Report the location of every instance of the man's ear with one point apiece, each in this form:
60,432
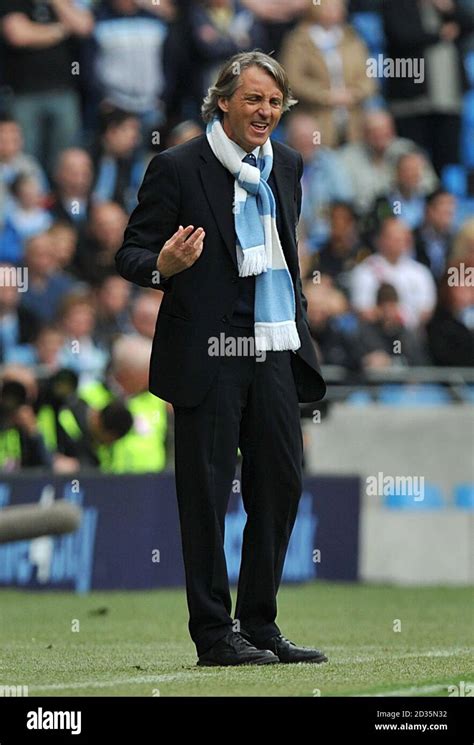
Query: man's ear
223,103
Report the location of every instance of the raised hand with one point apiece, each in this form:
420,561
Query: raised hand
180,251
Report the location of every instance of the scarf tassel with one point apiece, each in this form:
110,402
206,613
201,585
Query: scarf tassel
252,261
276,337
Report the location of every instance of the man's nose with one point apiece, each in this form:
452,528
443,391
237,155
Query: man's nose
265,110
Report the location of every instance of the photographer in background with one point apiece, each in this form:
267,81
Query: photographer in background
21,442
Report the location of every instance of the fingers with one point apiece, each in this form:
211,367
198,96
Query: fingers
196,238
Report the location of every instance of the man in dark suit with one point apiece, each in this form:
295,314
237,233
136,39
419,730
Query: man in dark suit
223,402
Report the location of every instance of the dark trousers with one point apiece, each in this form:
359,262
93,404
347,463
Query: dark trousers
253,405
439,134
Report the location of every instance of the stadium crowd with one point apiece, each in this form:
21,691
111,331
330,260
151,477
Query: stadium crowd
91,90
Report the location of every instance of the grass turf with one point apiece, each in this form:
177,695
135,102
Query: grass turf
137,644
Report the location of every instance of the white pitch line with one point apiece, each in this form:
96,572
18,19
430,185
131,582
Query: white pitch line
168,677
408,655
413,690
118,681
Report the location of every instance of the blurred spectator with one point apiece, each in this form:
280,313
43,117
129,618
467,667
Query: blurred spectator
277,18
326,65
427,110
105,236
463,245
113,316
47,347
38,68
434,238
85,434
332,325
324,179
76,319
145,312
406,199
393,265
18,326
344,249
13,161
386,342
63,237
73,177
21,442
143,449
372,163
25,214
119,168
220,29
183,132
47,284
451,330
124,58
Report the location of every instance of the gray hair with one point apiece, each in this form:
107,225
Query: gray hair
229,77
130,352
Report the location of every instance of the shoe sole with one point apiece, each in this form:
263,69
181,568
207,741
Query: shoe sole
236,664
313,661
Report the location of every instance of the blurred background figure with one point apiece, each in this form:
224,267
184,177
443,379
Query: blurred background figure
124,58
343,250
393,264
18,325
47,284
221,28
144,313
21,442
73,178
429,111
451,330
96,258
38,68
113,310
76,319
434,237
118,164
326,64
386,341
324,179
144,448
372,162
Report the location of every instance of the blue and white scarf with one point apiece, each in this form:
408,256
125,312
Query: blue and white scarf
259,250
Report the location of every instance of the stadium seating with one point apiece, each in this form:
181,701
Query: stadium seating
464,496
432,499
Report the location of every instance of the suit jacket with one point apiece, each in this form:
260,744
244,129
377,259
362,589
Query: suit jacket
187,185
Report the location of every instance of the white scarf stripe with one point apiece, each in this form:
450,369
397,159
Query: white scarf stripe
259,251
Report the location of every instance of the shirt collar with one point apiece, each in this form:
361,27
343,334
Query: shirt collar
241,152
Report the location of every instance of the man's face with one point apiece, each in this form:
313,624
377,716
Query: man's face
257,101
394,240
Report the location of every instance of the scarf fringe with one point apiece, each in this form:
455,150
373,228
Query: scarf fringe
276,337
252,261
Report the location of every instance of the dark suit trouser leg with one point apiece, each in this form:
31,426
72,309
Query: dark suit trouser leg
272,448
206,442
254,405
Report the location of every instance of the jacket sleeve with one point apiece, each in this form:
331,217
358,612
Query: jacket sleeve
151,224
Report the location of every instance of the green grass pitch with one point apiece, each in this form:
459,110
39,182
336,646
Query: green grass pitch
137,644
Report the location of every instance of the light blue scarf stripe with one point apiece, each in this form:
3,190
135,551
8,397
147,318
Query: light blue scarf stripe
259,251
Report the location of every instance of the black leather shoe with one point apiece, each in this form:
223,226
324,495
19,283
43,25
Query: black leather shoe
233,649
288,652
